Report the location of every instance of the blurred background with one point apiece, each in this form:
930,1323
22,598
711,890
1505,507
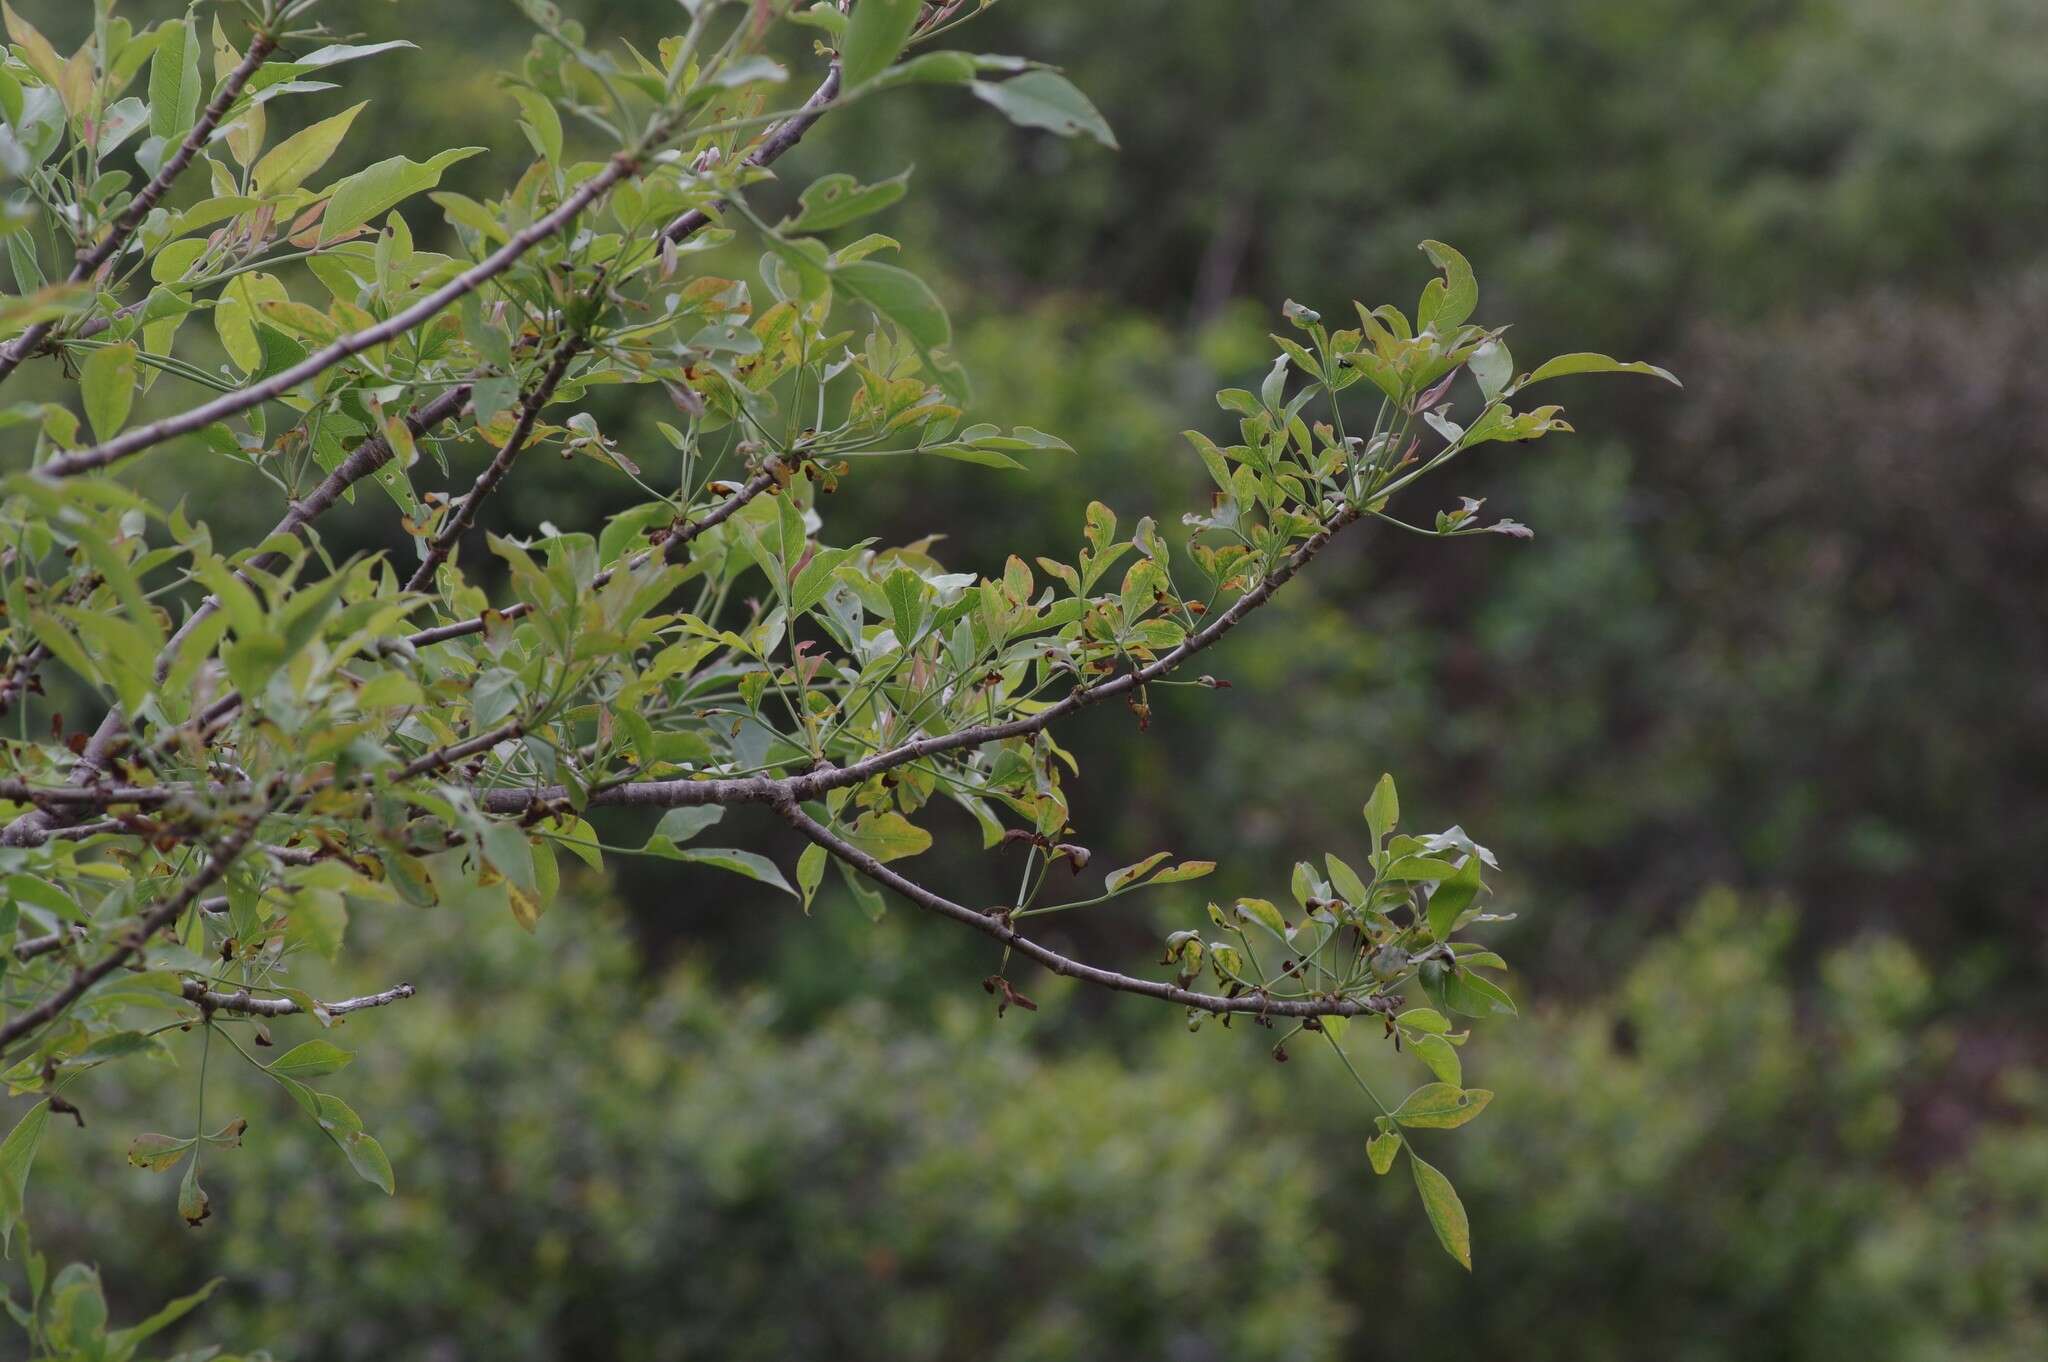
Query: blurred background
1757,724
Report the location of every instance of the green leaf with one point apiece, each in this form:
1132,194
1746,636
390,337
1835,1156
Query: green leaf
276,352
1046,99
1448,301
740,863
544,121
889,837
17,1153
975,454
678,826
121,1342
1452,897
285,166
1473,995
1585,362
1423,1019
1446,1212
865,896
835,200
1493,366
372,191
1421,869
905,300
878,30
107,382
335,1116
174,83
1345,880
1265,914
1382,1148
1441,1106
1383,810
282,72
810,872
905,591
1441,1056
367,1157
930,68
313,1059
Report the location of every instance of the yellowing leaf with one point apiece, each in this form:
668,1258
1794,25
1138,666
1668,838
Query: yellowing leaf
526,908
1439,1106
286,165
157,1152
1446,1213
1119,879
42,58
890,837
1264,913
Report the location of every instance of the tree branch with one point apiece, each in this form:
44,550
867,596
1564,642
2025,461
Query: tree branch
785,135
992,925
260,46
242,1003
464,514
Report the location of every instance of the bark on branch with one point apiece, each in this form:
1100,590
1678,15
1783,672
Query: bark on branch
242,1003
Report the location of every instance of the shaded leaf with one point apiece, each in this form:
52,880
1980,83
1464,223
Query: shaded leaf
1046,99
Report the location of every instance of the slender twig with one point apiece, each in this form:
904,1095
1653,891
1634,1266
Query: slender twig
20,791
89,261
20,676
28,950
464,514
785,135
243,1003
994,925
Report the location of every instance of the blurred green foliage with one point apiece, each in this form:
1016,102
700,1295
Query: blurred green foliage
601,1163
1723,1155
